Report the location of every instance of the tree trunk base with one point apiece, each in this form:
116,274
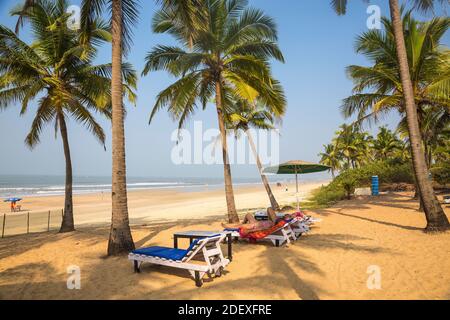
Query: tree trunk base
66,229
438,226
436,229
120,242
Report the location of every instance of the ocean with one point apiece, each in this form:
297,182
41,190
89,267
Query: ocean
43,185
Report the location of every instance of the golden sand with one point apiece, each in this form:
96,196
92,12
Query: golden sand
331,262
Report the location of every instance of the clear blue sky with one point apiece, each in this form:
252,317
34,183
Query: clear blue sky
317,45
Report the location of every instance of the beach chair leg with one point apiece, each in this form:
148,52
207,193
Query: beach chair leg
219,272
137,269
198,280
230,247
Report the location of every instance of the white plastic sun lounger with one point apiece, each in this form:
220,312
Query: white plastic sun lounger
299,227
282,235
212,259
307,219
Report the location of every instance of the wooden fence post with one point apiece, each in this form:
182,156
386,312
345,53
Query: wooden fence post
4,222
28,222
48,221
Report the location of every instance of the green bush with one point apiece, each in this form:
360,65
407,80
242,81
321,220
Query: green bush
349,185
344,185
327,195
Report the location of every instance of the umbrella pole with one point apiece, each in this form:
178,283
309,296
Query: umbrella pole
296,190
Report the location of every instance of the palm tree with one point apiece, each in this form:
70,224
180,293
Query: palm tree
352,145
244,116
332,157
229,53
386,143
436,218
186,16
378,88
124,14
57,70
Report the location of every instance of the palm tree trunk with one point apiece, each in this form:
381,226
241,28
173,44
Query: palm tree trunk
273,202
436,218
67,224
229,194
120,239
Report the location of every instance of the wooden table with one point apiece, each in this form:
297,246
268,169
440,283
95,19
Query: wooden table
192,235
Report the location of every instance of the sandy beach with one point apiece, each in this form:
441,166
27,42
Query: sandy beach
150,206
331,262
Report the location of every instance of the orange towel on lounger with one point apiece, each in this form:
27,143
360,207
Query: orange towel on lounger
253,236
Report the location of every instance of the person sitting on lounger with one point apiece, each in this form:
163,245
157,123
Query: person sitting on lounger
250,224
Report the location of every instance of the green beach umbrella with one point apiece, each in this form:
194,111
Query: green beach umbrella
296,167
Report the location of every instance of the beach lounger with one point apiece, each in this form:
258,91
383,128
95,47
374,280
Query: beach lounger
299,227
207,251
281,233
308,220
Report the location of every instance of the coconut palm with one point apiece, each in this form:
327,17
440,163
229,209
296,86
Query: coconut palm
124,14
378,88
436,218
332,157
57,71
353,145
229,53
243,116
386,143
185,16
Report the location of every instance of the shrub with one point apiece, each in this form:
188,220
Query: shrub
344,185
349,185
327,195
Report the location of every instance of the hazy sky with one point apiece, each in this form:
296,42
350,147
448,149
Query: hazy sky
317,45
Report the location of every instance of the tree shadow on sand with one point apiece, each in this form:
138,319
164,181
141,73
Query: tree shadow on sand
20,281
385,223
393,200
287,268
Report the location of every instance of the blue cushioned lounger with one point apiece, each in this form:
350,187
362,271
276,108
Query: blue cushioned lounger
213,261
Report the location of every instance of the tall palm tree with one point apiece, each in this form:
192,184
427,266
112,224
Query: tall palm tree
332,157
243,116
229,53
57,70
124,14
436,218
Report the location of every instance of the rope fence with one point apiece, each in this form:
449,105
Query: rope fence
30,222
